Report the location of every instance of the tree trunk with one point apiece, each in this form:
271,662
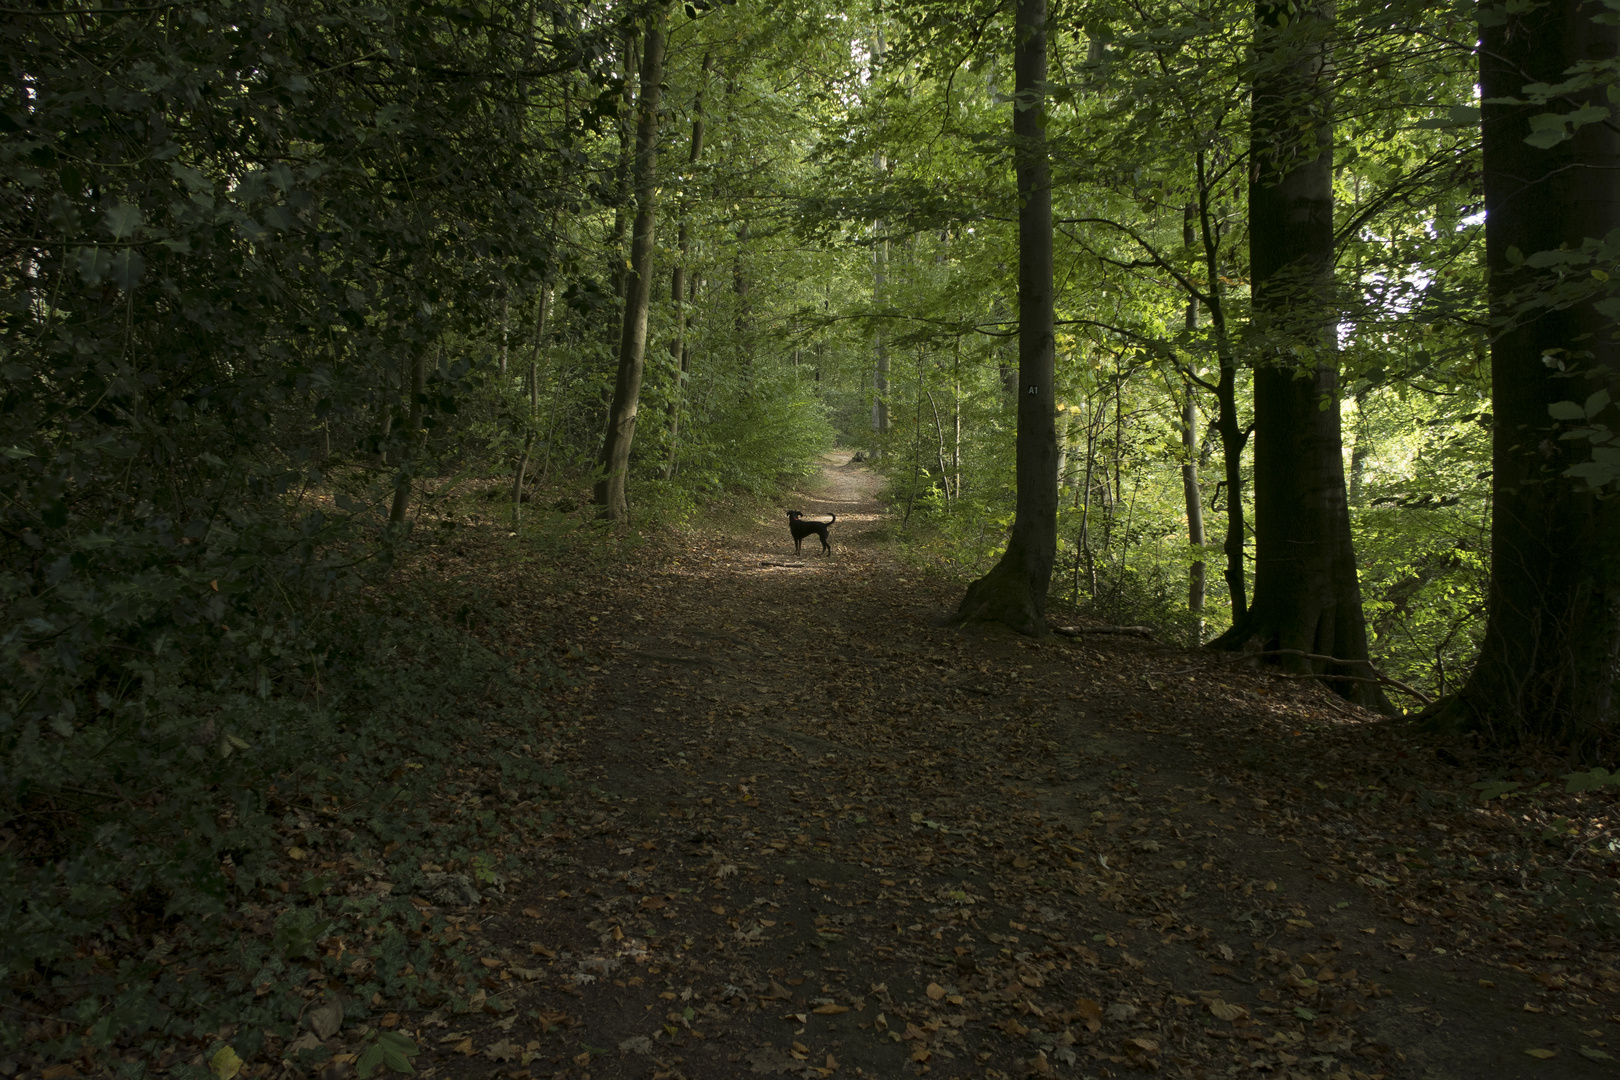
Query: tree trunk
623,171
506,309
956,444
880,376
679,354
1360,449
1306,595
413,440
880,273
615,458
1193,495
1014,591
1549,662
534,404
1233,437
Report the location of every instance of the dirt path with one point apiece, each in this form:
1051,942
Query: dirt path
815,831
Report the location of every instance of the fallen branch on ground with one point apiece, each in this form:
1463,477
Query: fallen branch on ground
1078,631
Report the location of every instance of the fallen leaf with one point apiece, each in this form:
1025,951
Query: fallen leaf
504,1050
1538,1052
225,1064
935,991
1139,1046
830,1010
1595,1054
325,1020
1225,1011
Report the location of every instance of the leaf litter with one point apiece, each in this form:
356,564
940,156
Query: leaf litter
809,829
812,830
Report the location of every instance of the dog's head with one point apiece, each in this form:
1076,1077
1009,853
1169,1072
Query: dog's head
794,515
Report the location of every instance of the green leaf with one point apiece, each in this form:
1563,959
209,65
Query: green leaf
1491,789
122,220
391,1049
94,264
369,1061
1566,410
1457,116
1588,781
1596,403
1595,1054
1589,114
127,268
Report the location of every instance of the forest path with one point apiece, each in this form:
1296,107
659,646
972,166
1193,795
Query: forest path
814,830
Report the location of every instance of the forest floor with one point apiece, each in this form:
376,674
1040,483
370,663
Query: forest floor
812,829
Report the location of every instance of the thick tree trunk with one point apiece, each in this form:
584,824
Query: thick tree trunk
1306,595
1551,656
1014,591
615,457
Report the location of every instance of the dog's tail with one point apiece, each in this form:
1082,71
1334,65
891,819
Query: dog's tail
834,518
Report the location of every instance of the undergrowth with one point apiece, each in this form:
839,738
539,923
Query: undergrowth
226,850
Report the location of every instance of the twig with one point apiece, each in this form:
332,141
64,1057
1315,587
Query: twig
1079,631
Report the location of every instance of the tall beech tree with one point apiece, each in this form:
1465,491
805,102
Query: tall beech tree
1014,591
1551,655
1307,601
621,427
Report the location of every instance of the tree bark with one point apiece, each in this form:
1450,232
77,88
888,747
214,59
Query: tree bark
534,404
679,353
1014,591
880,376
1549,661
1193,496
615,458
413,440
1192,493
624,168
1233,438
1306,594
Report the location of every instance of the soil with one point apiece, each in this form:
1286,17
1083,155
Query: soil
815,830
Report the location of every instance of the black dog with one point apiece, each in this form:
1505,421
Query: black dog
802,529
